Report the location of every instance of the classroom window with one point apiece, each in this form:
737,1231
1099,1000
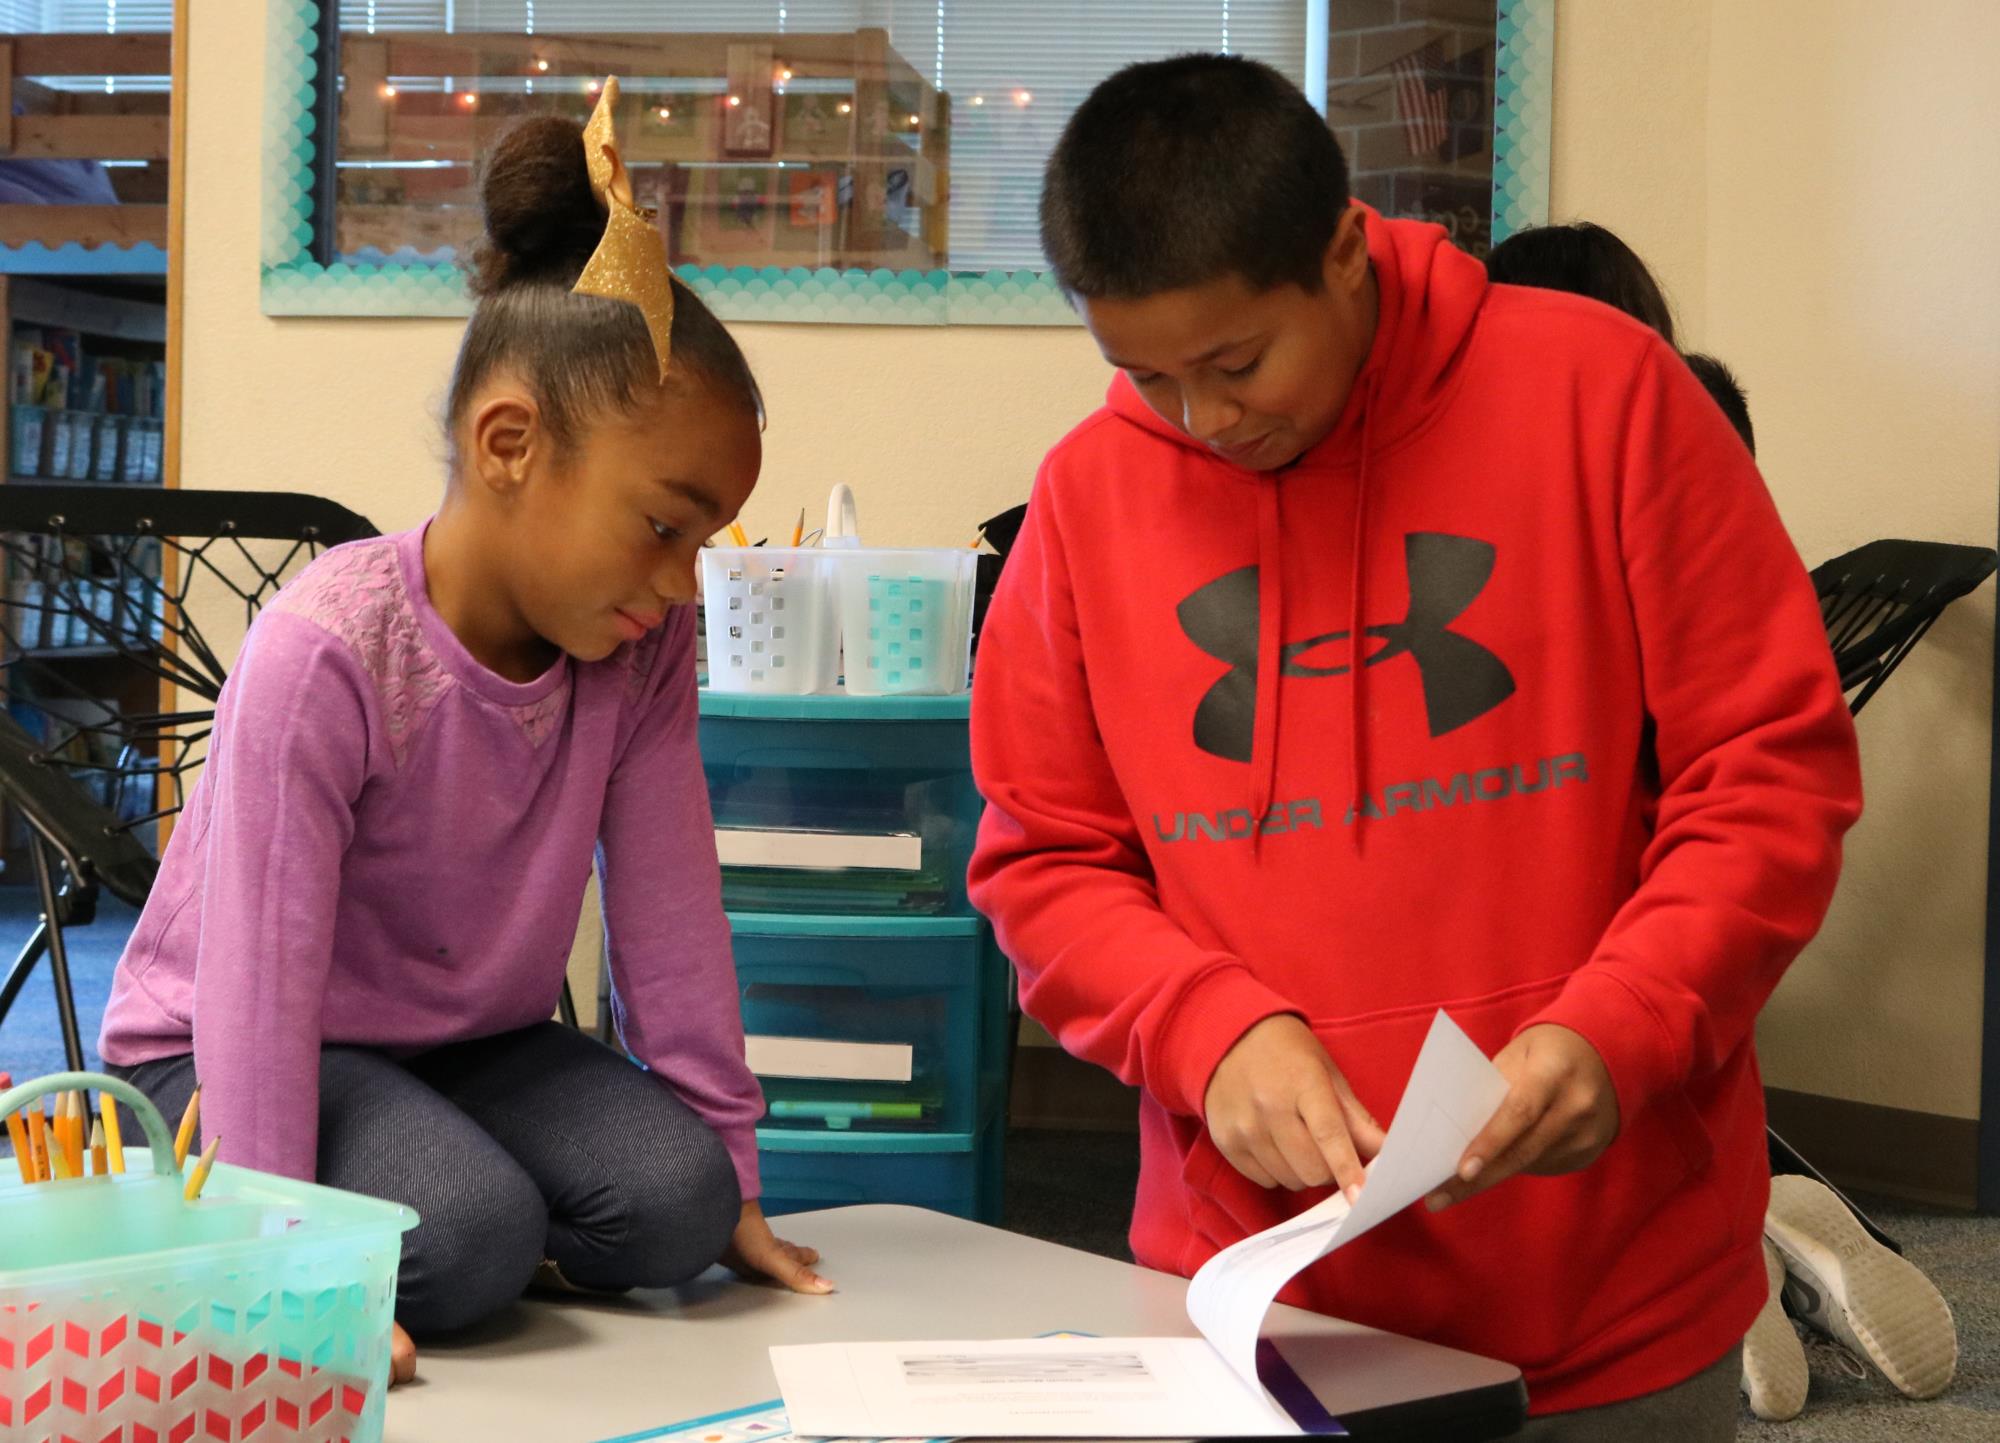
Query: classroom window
856,134
847,160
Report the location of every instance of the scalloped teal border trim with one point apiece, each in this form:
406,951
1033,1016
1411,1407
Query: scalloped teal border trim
1524,82
294,285
142,258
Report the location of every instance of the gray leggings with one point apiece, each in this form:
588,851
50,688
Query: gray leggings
535,1144
1703,1409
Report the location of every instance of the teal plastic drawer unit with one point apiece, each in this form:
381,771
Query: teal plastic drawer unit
873,1025
950,1173
837,804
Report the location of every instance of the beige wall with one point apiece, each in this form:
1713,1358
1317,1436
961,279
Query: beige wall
1853,198
1818,184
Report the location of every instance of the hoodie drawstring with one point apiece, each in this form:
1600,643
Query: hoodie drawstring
1357,630
1271,632
1270,654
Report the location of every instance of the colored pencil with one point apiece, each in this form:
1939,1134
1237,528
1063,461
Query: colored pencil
737,534
100,1165
799,531
199,1178
24,1159
38,1140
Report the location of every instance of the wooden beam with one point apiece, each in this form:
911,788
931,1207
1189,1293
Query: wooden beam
177,147
168,699
364,109
691,56
135,54
89,226
91,137
6,96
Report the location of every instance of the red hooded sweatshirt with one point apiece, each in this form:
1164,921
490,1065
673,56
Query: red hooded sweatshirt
1593,770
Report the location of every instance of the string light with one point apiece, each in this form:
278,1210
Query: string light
591,87
666,113
734,101
1024,98
916,120
543,66
844,107
978,100
469,100
785,74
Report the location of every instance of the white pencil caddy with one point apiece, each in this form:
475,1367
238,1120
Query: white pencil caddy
772,623
906,620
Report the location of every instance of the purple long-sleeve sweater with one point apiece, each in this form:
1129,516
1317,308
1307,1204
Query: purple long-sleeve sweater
388,848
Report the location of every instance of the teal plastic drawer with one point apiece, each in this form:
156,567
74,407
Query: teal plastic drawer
951,1174
873,1025
834,804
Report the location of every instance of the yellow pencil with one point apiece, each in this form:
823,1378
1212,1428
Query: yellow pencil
59,1163
59,1136
799,531
737,534
24,1158
114,1141
100,1165
199,1178
73,1138
38,1140
190,1120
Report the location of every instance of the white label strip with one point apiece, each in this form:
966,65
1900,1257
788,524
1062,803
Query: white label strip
819,851
836,1061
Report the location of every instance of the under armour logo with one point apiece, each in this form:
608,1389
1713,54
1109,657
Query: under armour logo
1462,680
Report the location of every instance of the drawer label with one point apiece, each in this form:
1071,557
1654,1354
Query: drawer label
818,851
818,1057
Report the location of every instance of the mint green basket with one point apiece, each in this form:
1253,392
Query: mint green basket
128,1314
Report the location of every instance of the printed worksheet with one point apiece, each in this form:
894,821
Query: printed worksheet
1202,1387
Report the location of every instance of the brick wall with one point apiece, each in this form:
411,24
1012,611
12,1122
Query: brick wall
1380,47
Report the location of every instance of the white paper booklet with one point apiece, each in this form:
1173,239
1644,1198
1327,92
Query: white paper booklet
1205,1387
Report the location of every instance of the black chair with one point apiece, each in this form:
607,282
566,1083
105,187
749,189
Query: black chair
1877,602
111,680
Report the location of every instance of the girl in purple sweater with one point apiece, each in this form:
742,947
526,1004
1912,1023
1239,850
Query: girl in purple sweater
360,928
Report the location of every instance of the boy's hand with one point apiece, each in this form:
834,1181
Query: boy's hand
1282,1114
756,1252
1560,1112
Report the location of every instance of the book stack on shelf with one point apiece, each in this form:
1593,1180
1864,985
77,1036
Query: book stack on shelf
77,414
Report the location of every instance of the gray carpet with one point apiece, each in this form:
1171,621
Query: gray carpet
1076,1188
30,1038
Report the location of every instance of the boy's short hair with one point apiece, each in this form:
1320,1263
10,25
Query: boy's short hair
1584,259
1178,172
1728,392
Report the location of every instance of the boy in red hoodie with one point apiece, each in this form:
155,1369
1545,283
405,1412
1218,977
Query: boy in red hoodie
1392,641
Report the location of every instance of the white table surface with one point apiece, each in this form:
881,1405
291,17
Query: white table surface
577,1371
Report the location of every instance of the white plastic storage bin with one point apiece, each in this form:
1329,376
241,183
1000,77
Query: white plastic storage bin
771,620
906,620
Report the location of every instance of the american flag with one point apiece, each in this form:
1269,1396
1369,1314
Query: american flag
1419,104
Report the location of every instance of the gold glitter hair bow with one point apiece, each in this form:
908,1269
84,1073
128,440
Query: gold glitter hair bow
630,262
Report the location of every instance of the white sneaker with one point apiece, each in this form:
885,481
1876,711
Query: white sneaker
1774,1360
1847,1285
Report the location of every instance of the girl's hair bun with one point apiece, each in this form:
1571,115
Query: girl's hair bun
542,220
